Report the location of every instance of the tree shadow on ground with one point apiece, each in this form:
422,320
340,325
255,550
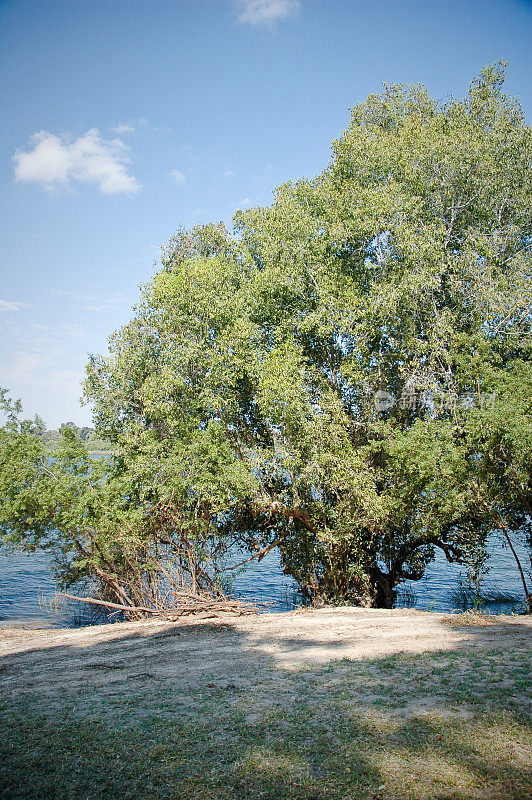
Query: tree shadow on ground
209,712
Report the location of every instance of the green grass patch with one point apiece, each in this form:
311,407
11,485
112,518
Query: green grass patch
439,725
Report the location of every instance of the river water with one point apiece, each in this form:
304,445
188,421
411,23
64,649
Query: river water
28,589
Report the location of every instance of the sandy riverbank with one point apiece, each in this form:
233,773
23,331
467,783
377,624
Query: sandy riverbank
331,704
48,661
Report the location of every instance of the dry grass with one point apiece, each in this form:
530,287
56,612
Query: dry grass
471,618
239,712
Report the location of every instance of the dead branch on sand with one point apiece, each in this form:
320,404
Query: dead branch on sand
186,604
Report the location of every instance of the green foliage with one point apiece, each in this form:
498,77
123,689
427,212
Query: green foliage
142,527
403,269
349,376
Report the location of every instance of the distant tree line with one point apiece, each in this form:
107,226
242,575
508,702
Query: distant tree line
93,442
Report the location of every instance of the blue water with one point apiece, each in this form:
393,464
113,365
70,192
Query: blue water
28,589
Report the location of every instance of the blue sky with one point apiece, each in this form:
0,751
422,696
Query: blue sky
125,119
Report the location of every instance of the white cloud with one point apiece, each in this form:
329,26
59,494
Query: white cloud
34,369
178,176
91,302
245,203
10,305
266,12
133,125
122,129
229,173
56,162
25,364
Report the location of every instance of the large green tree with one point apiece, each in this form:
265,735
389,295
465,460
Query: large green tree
347,376
354,347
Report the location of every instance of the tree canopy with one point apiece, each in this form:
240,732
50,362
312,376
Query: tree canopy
347,375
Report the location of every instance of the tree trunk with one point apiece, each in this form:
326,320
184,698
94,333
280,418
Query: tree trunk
385,592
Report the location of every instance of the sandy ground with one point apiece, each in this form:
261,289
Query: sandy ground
242,650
